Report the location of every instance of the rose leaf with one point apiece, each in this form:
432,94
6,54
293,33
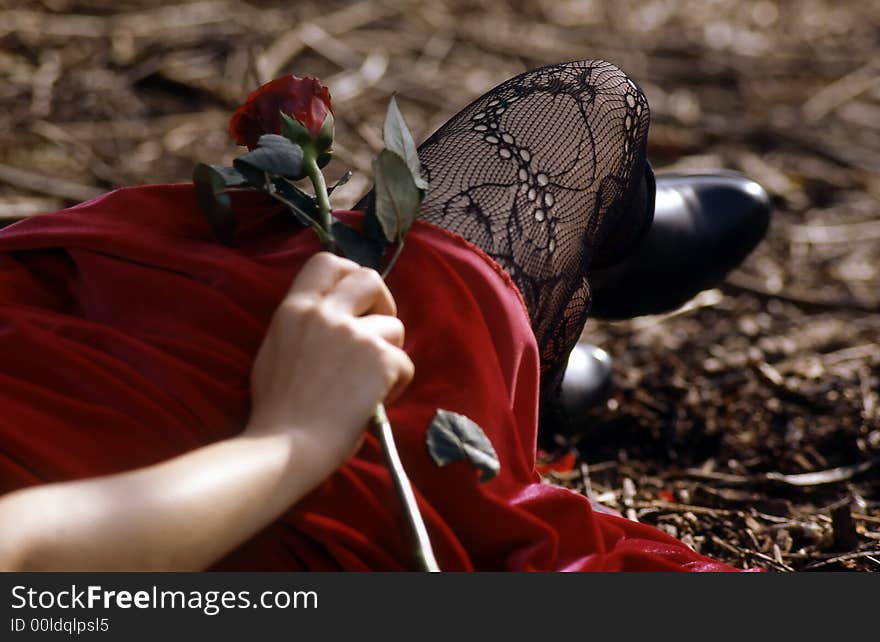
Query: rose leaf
357,247
453,437
398,198
400,141
274,155
210,183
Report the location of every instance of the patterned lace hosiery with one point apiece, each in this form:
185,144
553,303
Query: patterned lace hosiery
543,173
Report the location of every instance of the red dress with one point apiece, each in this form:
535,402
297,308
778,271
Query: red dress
127,336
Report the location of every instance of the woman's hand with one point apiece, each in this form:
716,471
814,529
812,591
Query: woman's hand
333,351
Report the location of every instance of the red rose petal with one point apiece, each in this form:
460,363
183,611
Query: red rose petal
304,99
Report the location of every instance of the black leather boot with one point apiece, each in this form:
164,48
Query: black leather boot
704,226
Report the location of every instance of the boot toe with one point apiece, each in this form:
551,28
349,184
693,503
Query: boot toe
704,226
734,212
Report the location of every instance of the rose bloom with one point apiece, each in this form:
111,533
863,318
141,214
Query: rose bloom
304,99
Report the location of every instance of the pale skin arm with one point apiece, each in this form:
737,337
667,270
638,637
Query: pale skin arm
332,352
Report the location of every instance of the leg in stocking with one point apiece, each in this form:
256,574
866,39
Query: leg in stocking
539,173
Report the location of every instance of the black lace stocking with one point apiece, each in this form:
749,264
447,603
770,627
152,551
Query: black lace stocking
539,173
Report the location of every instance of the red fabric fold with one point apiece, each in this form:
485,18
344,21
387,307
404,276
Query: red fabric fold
127,336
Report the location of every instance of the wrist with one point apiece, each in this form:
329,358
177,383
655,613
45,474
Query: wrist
309,456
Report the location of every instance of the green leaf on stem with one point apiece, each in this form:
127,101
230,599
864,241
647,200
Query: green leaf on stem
398,198
228,176
453,437
399,140
211,182
357,247
274,155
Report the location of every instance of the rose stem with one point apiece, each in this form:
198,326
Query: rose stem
423,552
393,260
317,178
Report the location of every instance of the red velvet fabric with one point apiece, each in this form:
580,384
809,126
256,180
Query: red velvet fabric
127,335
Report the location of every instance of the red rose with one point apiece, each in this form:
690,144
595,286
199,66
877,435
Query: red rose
304,99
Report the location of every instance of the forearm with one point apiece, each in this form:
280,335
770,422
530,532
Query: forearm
182,514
